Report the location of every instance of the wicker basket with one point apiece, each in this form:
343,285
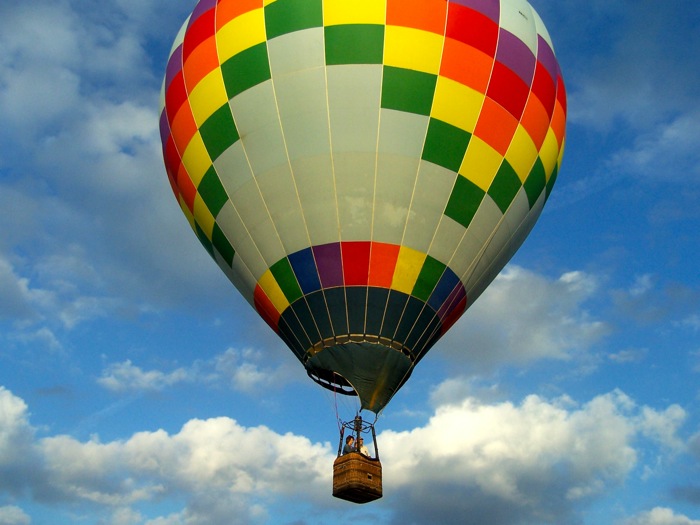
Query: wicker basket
357,478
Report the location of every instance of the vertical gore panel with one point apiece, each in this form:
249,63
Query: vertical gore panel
392,317
301,309
376,303
427,321
335,299
409,318
357,307
317,303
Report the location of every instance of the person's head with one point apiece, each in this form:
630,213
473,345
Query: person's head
349,440
360,441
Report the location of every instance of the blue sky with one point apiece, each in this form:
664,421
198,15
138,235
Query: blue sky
136,387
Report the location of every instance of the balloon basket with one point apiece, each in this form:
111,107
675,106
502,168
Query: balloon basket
357,478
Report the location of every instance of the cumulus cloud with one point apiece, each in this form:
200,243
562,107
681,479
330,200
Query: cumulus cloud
660,516
523,317
473,462
12,515
246,370
15,300
82,179
504,464
221,468
125,376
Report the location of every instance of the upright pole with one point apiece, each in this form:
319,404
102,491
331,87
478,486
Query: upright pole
374,440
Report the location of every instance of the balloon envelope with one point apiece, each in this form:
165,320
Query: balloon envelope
362,170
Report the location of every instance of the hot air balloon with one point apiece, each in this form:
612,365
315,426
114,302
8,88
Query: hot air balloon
362,170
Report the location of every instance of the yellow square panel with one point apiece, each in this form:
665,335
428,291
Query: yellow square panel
549,153
336,12
481,163
273,291
408,267
196,159
241,33
203,216
208,96
561,156
186,211
410,48
457,104
521,153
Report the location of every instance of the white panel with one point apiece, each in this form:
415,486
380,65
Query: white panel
402,133
250,206
232,167
354,98
354,179
394,187
280,194
247,254
433,188
486,267
518,210
240,276
257,121
401,138
517,18
521,223
470,249
448,236
314,179
296,51
301,99
541,29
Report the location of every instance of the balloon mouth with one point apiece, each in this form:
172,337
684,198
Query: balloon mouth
331,381
367,367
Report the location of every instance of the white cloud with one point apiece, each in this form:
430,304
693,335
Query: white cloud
505,464
663,426
127,377
629,355
534,462
660,516
249,371
15,297
523,317
669,150
245,370
694,445
12,515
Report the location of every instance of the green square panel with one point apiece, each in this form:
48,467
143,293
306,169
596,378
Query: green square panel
204,239
219,131
505,186
354,44
408,90
428,278
284,275
552,180
445,145
222,245
287,16
535,182
464,201
212,192
246,69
